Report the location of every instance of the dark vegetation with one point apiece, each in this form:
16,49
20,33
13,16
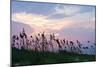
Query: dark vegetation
24,57
35,51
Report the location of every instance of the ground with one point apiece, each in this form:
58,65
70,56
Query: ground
23,57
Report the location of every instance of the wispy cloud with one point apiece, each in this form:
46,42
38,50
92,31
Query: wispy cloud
69,10
62,18
40,22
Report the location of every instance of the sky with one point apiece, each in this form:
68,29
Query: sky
73,22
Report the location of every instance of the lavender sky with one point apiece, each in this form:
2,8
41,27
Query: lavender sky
73,22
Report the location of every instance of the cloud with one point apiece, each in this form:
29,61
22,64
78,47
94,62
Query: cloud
76,14
65,10
83,20
74,23
27,18
80,20
40,22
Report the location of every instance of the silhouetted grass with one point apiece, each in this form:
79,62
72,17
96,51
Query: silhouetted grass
25,57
